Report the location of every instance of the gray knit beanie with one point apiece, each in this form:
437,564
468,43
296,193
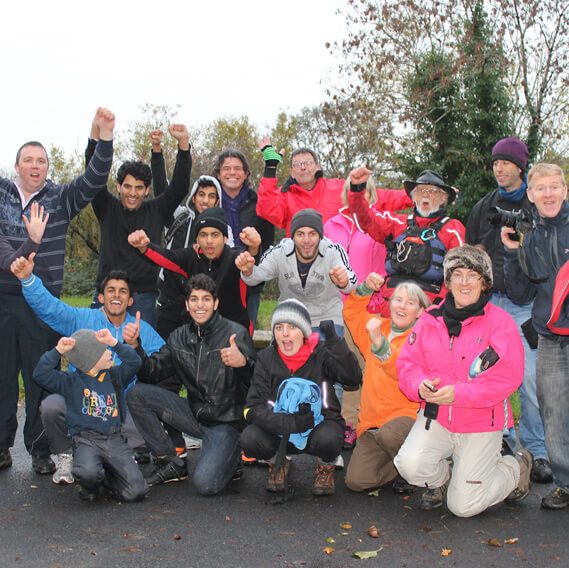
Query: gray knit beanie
294,312
471,258
87,350
307,218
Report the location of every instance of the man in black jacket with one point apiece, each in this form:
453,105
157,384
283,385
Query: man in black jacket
213,358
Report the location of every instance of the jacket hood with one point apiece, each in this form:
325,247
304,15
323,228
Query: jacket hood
212,181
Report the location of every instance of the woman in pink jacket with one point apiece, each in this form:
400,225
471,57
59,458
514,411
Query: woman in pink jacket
462,361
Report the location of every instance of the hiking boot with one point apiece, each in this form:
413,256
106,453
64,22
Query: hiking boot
525,459
556,499
43,465
64,471
276,482
401,487
349,437
167,470
541,471
5,459
323,479
433,497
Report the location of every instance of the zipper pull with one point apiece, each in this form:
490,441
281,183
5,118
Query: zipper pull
451,342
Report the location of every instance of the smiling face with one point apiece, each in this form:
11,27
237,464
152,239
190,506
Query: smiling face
507,174
211,241
32,168
306,241
303,170
132,192
204,198
404,310
115,298
289,338
466,287
232,176
428,199
201,305
548,193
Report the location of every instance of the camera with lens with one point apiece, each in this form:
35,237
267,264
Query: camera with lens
520,220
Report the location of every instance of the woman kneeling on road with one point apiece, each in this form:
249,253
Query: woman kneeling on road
291,406
462,361
386,414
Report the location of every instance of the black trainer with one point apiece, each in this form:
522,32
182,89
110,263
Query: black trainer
401,487
433,497
167,470
556,499
43,465
5,459
541,471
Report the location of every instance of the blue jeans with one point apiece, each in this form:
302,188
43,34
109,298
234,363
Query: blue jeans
553,395
532,435
151,405
143,302
337,386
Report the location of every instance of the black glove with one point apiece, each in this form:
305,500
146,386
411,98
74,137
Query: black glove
303,419
328,330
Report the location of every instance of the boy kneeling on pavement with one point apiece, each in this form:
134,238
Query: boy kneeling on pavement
95,410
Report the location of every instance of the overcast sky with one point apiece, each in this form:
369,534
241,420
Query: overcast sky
62,59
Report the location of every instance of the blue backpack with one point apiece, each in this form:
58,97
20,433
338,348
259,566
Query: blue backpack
291,394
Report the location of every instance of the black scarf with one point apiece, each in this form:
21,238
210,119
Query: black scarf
453,316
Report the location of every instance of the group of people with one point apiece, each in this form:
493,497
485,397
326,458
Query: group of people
443,321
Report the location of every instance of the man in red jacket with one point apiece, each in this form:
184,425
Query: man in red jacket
307,188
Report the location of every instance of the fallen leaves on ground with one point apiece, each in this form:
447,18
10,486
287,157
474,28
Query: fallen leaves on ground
513,540
366,554
446,551
346,526
177,537
328,550
330,540
373,532
374,493
493,542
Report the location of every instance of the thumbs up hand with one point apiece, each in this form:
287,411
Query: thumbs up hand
232,356
131,332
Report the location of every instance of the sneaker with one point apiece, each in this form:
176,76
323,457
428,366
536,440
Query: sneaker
276,482
323,479
433,497
349,437
43,465
192,443
5,459
339,463
166,471
541,471
64,471
525,459
556,499
238,473
142,455
401,487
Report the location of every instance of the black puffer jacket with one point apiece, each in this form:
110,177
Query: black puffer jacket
330,362
216,393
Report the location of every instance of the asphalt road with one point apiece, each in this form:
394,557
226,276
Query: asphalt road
45,525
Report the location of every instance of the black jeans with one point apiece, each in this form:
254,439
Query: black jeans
23,340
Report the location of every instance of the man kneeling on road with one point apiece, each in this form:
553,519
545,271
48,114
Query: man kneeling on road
213,357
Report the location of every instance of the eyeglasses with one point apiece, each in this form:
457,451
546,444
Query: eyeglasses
465,278
306,164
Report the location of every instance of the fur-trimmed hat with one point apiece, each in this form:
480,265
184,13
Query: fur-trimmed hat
430,177
307,218
513,150
471,258
87,350
213,217
294,312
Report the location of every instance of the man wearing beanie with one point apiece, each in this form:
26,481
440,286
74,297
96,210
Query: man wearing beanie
510,164
212,256
95,410
309,268
304,415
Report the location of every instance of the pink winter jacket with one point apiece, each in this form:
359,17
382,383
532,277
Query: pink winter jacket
364,253
481,396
